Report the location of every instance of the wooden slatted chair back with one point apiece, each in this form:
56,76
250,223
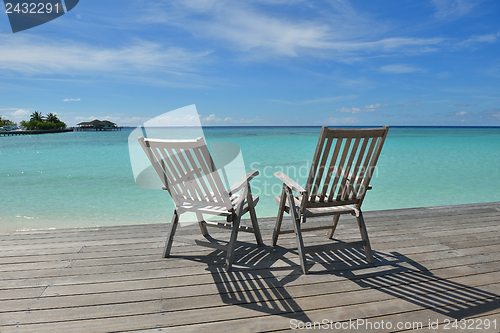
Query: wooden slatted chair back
343,165
187,171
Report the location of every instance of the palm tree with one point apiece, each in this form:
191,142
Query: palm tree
52,118
37,116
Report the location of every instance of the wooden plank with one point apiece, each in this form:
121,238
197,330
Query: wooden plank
333,247
122,265
429,263
147,315
407,243
298,287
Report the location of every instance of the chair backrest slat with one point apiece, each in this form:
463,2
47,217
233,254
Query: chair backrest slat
321,167
363,170
350,191
351,156
347,169
316,161
187,170
178,180
204,191
339,174
212,176
368,172
331,170
166,173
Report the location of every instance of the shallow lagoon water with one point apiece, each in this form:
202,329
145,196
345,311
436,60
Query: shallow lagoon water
83,179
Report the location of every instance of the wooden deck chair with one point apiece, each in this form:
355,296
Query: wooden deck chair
341,169
190,176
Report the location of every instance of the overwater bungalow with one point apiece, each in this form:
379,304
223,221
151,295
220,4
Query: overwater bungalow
97,125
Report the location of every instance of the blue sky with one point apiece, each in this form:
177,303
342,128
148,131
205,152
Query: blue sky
259,62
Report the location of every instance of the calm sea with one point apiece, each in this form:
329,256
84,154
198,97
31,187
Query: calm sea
85,179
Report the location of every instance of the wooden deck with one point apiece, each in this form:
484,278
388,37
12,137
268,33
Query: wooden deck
431,264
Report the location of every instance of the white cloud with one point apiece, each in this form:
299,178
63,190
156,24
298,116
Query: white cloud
229,120
346,120
318,100
488,38
349,110
366,108
16,114
490,114
399,69
20,113
71,100
120,121
212,117
336,31
453,8
495,113
374,107
34,55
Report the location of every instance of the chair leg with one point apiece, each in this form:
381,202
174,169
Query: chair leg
334,226
253,216
203,228
170,236
364,236
298,233
232,243
279,219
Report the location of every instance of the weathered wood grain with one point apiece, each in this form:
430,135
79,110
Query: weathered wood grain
432,263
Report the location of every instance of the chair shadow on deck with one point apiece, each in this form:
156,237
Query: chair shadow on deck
252,284
401,277
260,283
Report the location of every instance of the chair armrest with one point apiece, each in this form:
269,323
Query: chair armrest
289,182
242,182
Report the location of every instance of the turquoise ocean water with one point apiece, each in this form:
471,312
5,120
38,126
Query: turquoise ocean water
83,179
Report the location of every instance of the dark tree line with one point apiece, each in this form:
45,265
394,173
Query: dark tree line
39,121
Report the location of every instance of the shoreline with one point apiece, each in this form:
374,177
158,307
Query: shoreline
451,208
30,132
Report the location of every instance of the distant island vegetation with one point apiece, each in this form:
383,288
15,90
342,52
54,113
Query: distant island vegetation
37,122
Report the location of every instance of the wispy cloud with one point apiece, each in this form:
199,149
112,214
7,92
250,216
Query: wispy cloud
366,108
446,9
71,100
34,55
118,119
410,103
349,110
213,119
399,69
474,40
317,100
373,107
492,113
15,113
340,121
335,31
